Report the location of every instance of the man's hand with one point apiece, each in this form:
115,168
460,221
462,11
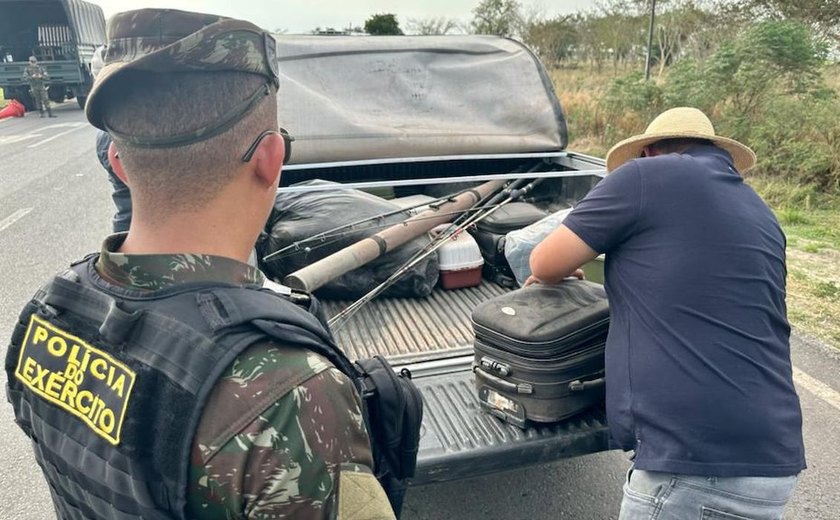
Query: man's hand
578,273
558,255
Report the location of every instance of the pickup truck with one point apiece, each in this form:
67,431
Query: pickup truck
62,34
400,116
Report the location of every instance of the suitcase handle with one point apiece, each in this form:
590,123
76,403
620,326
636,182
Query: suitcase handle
582,386
501,384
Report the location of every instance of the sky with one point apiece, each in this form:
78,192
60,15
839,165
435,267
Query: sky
302,16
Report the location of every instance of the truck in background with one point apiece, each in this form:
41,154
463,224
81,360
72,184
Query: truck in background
62,34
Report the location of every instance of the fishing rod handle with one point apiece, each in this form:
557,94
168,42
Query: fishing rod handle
323,271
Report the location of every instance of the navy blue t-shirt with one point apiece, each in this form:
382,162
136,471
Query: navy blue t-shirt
698,357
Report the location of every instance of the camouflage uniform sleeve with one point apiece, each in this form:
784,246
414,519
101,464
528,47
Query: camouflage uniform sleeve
279,430
26,75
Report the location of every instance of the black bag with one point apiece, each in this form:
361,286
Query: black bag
297,216
539,351
395,413
490,236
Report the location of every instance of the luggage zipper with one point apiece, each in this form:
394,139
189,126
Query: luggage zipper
516,362
574,337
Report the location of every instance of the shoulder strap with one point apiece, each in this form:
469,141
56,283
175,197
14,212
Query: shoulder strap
228,309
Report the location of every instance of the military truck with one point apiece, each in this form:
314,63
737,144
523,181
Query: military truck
406,115
61,34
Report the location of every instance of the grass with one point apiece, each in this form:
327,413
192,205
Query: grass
813,275
809,217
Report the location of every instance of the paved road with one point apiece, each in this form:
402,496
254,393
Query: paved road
55,207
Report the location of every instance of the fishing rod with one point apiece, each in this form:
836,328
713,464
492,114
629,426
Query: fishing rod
509,194
433,204
328,240
488,202
316,274
320,236
482,205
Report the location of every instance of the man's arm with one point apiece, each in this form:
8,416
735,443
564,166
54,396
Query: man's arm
558,256
304,454
604,219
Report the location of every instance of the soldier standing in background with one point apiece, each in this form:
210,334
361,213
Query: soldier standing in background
37,77
180,385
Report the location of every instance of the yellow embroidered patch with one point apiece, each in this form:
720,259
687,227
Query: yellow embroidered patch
79,378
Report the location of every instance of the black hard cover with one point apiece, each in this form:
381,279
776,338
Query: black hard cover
510,217
544,321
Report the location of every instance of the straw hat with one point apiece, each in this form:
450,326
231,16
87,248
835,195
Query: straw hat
679,123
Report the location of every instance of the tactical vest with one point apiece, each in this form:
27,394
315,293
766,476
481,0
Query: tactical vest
110,385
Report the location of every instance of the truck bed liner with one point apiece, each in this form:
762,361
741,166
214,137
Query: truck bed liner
415,329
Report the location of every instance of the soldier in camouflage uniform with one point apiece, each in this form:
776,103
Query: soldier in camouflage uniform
282,433
37,77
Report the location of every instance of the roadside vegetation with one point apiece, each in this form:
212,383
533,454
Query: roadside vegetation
771,86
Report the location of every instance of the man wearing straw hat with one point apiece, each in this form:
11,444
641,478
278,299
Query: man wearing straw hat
699,382
163,377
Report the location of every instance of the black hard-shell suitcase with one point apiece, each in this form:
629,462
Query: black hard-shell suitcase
490,236
539,351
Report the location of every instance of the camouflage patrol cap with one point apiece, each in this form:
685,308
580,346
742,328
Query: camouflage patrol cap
168,41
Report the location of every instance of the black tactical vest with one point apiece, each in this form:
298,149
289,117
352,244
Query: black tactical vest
110,383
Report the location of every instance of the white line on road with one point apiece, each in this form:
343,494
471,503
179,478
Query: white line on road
16,138
14,217
56,136
817,387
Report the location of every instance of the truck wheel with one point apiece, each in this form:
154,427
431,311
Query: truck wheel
57,94
81,100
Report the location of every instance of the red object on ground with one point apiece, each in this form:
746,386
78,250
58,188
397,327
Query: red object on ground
14,109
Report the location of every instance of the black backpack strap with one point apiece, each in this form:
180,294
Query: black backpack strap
228,309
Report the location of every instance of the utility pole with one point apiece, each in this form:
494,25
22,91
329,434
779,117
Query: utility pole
650,38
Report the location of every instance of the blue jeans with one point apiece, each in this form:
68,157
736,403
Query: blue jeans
650,495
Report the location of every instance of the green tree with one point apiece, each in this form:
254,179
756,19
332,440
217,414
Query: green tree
821,15
768,59
382,25
499,17
553,40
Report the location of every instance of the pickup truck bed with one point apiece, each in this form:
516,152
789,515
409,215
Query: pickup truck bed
408,115
433,338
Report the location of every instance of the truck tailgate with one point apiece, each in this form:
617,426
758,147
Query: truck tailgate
460,441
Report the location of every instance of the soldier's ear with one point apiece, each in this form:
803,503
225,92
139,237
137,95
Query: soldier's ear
268,160
116,163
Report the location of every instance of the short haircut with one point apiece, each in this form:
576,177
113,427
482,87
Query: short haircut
169,180
677,145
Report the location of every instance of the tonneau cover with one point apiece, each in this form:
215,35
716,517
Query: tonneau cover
349,98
